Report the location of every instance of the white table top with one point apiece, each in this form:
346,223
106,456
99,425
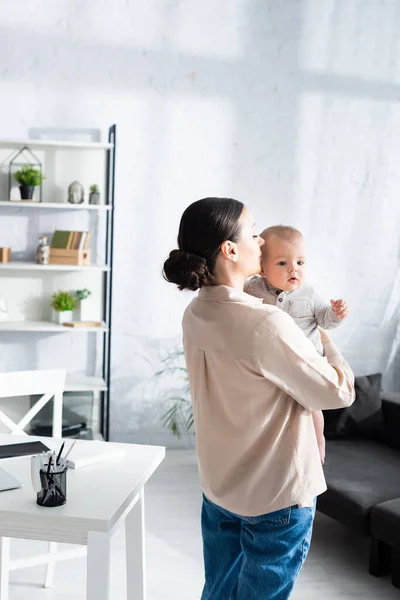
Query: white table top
97,495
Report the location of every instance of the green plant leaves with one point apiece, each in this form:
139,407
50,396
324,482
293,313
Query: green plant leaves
62,301
178,418
29,176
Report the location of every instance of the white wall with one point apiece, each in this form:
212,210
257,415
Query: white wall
292,107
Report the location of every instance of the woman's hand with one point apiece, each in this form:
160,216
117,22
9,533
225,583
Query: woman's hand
325,338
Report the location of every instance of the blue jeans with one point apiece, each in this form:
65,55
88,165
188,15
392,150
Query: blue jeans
253,558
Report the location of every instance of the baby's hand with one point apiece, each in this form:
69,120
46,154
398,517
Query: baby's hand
340,308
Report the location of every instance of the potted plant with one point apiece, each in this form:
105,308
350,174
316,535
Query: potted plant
82,305
178,417
63,304
28,178
94,196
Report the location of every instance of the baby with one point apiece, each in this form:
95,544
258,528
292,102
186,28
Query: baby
282,284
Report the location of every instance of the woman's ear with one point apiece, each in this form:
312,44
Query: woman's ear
229,251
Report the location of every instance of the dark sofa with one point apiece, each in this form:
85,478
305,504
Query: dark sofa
362,471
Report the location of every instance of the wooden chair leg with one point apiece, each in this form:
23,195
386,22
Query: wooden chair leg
380,557
396,567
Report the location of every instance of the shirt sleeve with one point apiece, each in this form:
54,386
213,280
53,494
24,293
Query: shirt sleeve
324,314
247,284
284,356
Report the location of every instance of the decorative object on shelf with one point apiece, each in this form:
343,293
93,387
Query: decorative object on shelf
43,251
70,248
3,310
82,312
77,324
94,196
63,304
5,254
29,176
76,193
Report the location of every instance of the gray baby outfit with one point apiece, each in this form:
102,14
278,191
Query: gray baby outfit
308,310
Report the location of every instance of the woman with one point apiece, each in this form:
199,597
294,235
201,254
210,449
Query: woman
254,379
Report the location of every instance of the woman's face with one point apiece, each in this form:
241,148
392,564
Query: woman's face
249,246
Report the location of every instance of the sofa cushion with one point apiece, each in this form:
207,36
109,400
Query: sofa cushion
364,417
391,418
385,522
359,475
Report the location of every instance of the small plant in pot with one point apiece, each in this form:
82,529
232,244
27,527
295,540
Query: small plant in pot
28,178
63,304
82,305
94,196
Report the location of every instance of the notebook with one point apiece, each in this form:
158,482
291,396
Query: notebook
22,449
91,453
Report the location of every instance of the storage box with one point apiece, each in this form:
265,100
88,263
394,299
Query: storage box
60,256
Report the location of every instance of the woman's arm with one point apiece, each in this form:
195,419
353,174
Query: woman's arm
283,355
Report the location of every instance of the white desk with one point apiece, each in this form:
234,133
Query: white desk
99,497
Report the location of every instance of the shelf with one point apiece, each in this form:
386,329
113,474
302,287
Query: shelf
52,205
46,327
83,383
30,266
43,144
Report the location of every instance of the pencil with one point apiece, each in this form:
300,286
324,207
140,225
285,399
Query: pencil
59,454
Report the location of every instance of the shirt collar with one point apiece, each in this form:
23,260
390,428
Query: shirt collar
223,293
272,290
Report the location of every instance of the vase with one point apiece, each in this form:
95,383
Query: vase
94,198
43,251
27,192
83,311
63,316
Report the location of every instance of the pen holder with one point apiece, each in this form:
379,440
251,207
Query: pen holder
54,488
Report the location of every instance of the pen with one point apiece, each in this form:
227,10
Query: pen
49,465
69,451
59,454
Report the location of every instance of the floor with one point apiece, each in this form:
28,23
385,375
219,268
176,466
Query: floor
335,569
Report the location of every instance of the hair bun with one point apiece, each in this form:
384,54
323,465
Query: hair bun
188,271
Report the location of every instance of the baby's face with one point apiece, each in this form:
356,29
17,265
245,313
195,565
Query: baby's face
283,262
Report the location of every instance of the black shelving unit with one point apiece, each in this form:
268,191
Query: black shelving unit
107,336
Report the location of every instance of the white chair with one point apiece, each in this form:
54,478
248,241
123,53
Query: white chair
48,384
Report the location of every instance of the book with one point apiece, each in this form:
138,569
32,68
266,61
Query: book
87,241
71,235
82,240
60,239
77,239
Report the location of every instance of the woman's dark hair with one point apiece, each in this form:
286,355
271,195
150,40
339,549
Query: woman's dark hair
204,226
